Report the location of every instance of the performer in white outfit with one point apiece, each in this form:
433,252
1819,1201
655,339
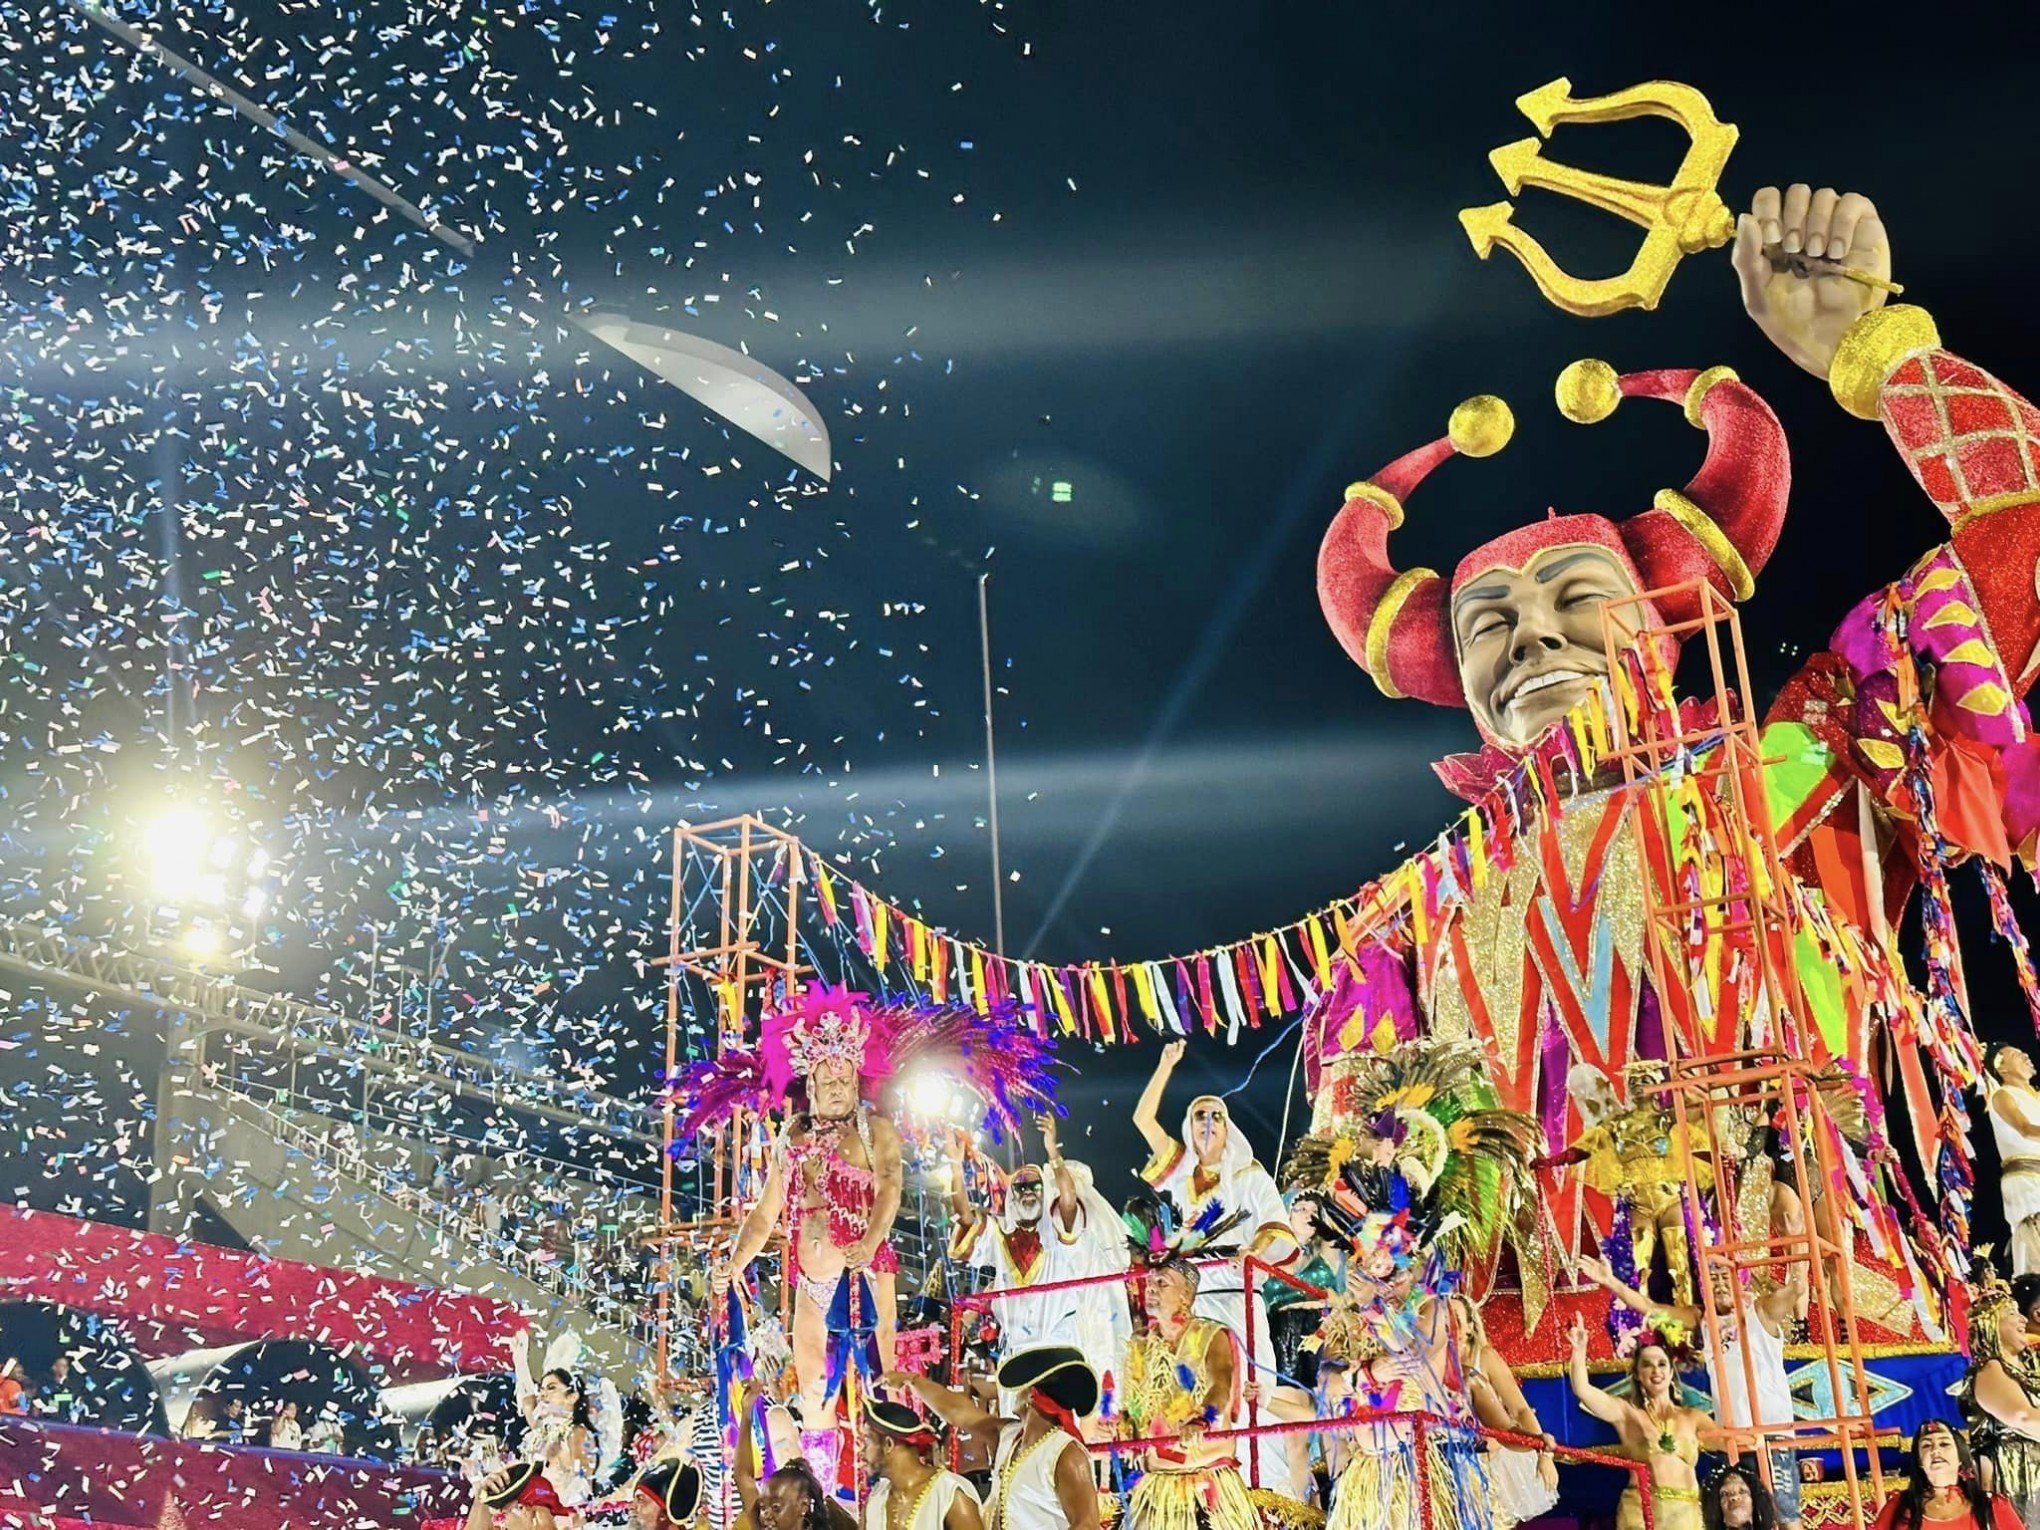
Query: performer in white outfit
2015,1121
1212,1162
1041,1473
1037,1243
908,1490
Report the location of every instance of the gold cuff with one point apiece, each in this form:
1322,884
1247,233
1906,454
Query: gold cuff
1708,533
1376,495
1702,386
1383,622
1871,350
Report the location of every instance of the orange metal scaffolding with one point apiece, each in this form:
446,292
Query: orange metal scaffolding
730,863
1769,1072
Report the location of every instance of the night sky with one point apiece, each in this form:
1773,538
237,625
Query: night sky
1225,279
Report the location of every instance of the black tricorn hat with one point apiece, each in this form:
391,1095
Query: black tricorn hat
1059,1371
897,1419
677,1487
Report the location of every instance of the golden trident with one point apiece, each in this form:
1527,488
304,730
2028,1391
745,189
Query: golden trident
1679,220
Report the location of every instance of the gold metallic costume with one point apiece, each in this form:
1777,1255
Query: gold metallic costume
1638,1156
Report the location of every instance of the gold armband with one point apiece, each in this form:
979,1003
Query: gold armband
1382,623
1872,348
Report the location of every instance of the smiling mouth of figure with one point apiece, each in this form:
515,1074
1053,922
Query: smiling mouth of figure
1523,690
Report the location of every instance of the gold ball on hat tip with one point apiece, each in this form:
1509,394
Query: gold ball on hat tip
1588,391
1481,426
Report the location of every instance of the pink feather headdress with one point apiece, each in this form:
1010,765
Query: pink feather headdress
996,1054
823,1024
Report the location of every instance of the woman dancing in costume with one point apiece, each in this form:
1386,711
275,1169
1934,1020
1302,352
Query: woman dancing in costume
573,1427
1388,1343
1522,1484
1655,1429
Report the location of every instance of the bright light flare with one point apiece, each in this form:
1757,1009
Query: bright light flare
941,1097
175,844
932,1095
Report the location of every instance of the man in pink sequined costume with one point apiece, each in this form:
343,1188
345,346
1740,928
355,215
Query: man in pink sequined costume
834,1188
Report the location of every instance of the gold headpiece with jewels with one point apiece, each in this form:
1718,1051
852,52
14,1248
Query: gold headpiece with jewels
1679,219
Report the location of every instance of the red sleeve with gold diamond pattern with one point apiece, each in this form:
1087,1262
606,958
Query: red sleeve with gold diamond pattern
1974,445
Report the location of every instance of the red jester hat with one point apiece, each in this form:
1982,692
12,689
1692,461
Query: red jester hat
1516,634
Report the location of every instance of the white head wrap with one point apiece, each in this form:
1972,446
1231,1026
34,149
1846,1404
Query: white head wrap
1238,1151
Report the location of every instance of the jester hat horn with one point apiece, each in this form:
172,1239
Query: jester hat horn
1721,527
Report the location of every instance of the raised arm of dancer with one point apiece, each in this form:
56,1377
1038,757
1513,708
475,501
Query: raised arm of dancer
741,1467
1147,1110
756,1230
1066,1202
1606,1407
1076,1489
744,1470
1598,1272
520,1367
959,1193
959,1410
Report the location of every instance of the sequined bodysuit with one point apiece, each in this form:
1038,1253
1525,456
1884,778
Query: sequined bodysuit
846,1192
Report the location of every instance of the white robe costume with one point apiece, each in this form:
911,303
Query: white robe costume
2019,1180
1240,1185
1094,1318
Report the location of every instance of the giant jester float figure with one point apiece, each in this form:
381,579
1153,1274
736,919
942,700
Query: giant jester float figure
1900,750
834,1181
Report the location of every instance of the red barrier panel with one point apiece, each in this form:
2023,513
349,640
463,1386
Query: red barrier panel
68,1473
172,1296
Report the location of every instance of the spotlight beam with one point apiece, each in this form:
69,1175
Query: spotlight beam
1297,502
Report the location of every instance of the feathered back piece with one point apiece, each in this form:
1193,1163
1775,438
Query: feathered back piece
996,1054
1419,1133
1156,1232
